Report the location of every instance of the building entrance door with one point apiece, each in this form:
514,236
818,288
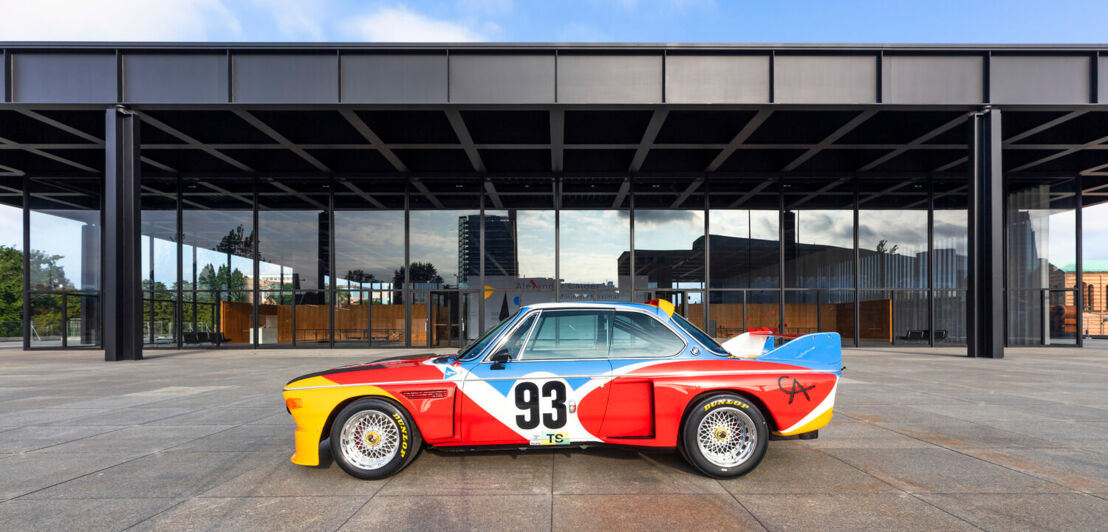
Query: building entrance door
445,319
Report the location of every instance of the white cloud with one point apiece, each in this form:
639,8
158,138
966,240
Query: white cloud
296,19
400,24
115,20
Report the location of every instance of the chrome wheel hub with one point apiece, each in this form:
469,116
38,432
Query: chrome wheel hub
370,439
726,437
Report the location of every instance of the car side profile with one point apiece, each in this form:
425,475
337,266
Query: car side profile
574,374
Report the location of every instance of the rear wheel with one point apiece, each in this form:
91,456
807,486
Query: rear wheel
373,438
725,436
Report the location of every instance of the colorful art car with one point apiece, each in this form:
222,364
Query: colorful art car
574,374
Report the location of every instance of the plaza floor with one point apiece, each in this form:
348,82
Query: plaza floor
200,440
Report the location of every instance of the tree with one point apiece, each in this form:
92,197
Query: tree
212,279
11,292
420,272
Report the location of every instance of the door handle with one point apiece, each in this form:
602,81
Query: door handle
572,407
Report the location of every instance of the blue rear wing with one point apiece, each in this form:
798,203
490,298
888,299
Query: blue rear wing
819,351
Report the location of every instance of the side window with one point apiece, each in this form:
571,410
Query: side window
636,335
564,334
514,342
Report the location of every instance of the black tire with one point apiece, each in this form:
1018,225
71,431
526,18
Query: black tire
408,438
727,405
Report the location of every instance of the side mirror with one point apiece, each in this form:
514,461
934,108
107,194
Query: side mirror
500,358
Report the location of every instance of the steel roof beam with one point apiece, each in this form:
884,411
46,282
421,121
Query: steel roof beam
830,139
367,133
648,136
466,141
916,142
751,126
753,192
191,141
273,134
418,184
687,192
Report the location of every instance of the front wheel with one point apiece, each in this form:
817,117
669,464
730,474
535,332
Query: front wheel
725,436
373,438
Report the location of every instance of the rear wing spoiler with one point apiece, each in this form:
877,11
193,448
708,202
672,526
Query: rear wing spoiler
817,351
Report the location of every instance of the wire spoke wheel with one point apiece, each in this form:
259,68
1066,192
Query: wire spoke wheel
726,437
370,439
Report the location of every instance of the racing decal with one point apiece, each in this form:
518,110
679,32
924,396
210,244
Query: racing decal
796,388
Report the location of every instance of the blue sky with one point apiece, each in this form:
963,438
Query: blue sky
799,21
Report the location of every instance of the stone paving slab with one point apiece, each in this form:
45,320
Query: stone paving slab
921,440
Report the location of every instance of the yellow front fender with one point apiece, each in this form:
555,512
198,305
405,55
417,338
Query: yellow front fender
311,402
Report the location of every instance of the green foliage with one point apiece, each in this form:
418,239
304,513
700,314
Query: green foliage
11,292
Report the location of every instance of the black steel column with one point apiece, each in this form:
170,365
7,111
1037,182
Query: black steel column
26,263
985,305
1079,298
122,215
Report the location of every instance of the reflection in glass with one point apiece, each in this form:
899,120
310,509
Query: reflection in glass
875,317
595,255
442,250
763,310
11,268
369,248
950,317
200,319
159,324
1041,252
47,323
892,246
218,247
292,247
809,311
819,248
725,315
65,248
951,248
669,249
519,261
744,248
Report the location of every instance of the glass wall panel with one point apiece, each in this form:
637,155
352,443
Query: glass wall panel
443,250
293,235
159,327
65,262
669,249
217,225
374,317
951,235
875,317
819,248
11,262
911,324
65,236
1041,269
763,310
725,314
200,320
950,317
744,248
519,261
47,322
595,255
818,232
1094,223
809,311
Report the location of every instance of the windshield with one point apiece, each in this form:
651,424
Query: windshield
700,335
479,344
